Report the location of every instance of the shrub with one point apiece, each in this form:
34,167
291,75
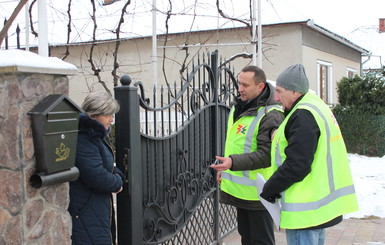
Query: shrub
361,113
366,93
363,132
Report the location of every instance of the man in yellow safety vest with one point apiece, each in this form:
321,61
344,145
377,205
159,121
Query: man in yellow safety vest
313,179
252,119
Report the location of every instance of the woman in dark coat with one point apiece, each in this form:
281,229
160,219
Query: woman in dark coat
91,205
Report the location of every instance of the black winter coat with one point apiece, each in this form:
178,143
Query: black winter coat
91,205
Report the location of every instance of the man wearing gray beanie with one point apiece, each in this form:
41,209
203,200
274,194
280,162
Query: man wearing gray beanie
313,181
294,79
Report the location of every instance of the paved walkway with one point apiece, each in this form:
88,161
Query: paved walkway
349,231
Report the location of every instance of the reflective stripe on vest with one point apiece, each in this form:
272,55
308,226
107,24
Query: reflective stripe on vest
245,179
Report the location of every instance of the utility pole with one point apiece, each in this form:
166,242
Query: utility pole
43,28
254,24
26,9
154,47
254,27
260,34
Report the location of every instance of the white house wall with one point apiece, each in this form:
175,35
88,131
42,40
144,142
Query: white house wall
134,59
285,51
282,47
339,65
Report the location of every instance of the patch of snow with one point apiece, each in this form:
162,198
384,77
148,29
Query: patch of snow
26,61
369,182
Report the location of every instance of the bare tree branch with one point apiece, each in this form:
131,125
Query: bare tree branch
165,43
230,18
184,48
68,29
117,44
183,59
93,67
30,18
239,55
184,63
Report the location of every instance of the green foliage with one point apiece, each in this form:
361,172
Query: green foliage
366,93
361,113
363,132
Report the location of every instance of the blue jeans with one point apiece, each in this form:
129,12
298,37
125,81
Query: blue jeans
305,237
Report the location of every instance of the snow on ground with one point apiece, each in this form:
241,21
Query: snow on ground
369,182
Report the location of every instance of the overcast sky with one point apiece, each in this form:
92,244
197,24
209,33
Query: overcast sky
339,16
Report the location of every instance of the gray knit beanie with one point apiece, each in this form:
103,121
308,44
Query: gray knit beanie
294,79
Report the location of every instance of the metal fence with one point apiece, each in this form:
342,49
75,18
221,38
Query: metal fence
363,133
165,146
16,34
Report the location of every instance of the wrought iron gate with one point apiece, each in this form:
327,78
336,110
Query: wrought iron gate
165,146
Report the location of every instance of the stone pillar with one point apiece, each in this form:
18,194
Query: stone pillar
28,215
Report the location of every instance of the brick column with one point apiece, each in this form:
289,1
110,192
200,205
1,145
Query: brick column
28,215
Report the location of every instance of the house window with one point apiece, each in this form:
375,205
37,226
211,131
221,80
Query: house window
350,72
324,81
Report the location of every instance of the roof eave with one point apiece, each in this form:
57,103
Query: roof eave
338,38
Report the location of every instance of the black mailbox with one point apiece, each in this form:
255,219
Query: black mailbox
55,130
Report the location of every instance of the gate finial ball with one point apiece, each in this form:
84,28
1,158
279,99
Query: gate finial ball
125,80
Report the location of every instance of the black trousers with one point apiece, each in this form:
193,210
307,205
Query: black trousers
255,227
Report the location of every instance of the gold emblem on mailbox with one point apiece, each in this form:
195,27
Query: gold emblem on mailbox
62,152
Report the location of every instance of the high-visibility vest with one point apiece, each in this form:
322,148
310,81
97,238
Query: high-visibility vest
242,138
327,191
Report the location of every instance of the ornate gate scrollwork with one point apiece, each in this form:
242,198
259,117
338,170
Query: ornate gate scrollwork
171,196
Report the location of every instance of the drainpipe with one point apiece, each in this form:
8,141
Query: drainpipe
363,63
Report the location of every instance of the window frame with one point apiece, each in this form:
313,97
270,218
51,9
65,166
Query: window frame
329,70
352,70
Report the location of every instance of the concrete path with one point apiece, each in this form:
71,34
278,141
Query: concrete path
349,231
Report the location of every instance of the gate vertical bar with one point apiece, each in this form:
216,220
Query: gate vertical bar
215,132
18,37
6,35
128,159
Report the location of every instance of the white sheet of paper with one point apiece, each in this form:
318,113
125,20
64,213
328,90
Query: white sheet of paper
273,208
